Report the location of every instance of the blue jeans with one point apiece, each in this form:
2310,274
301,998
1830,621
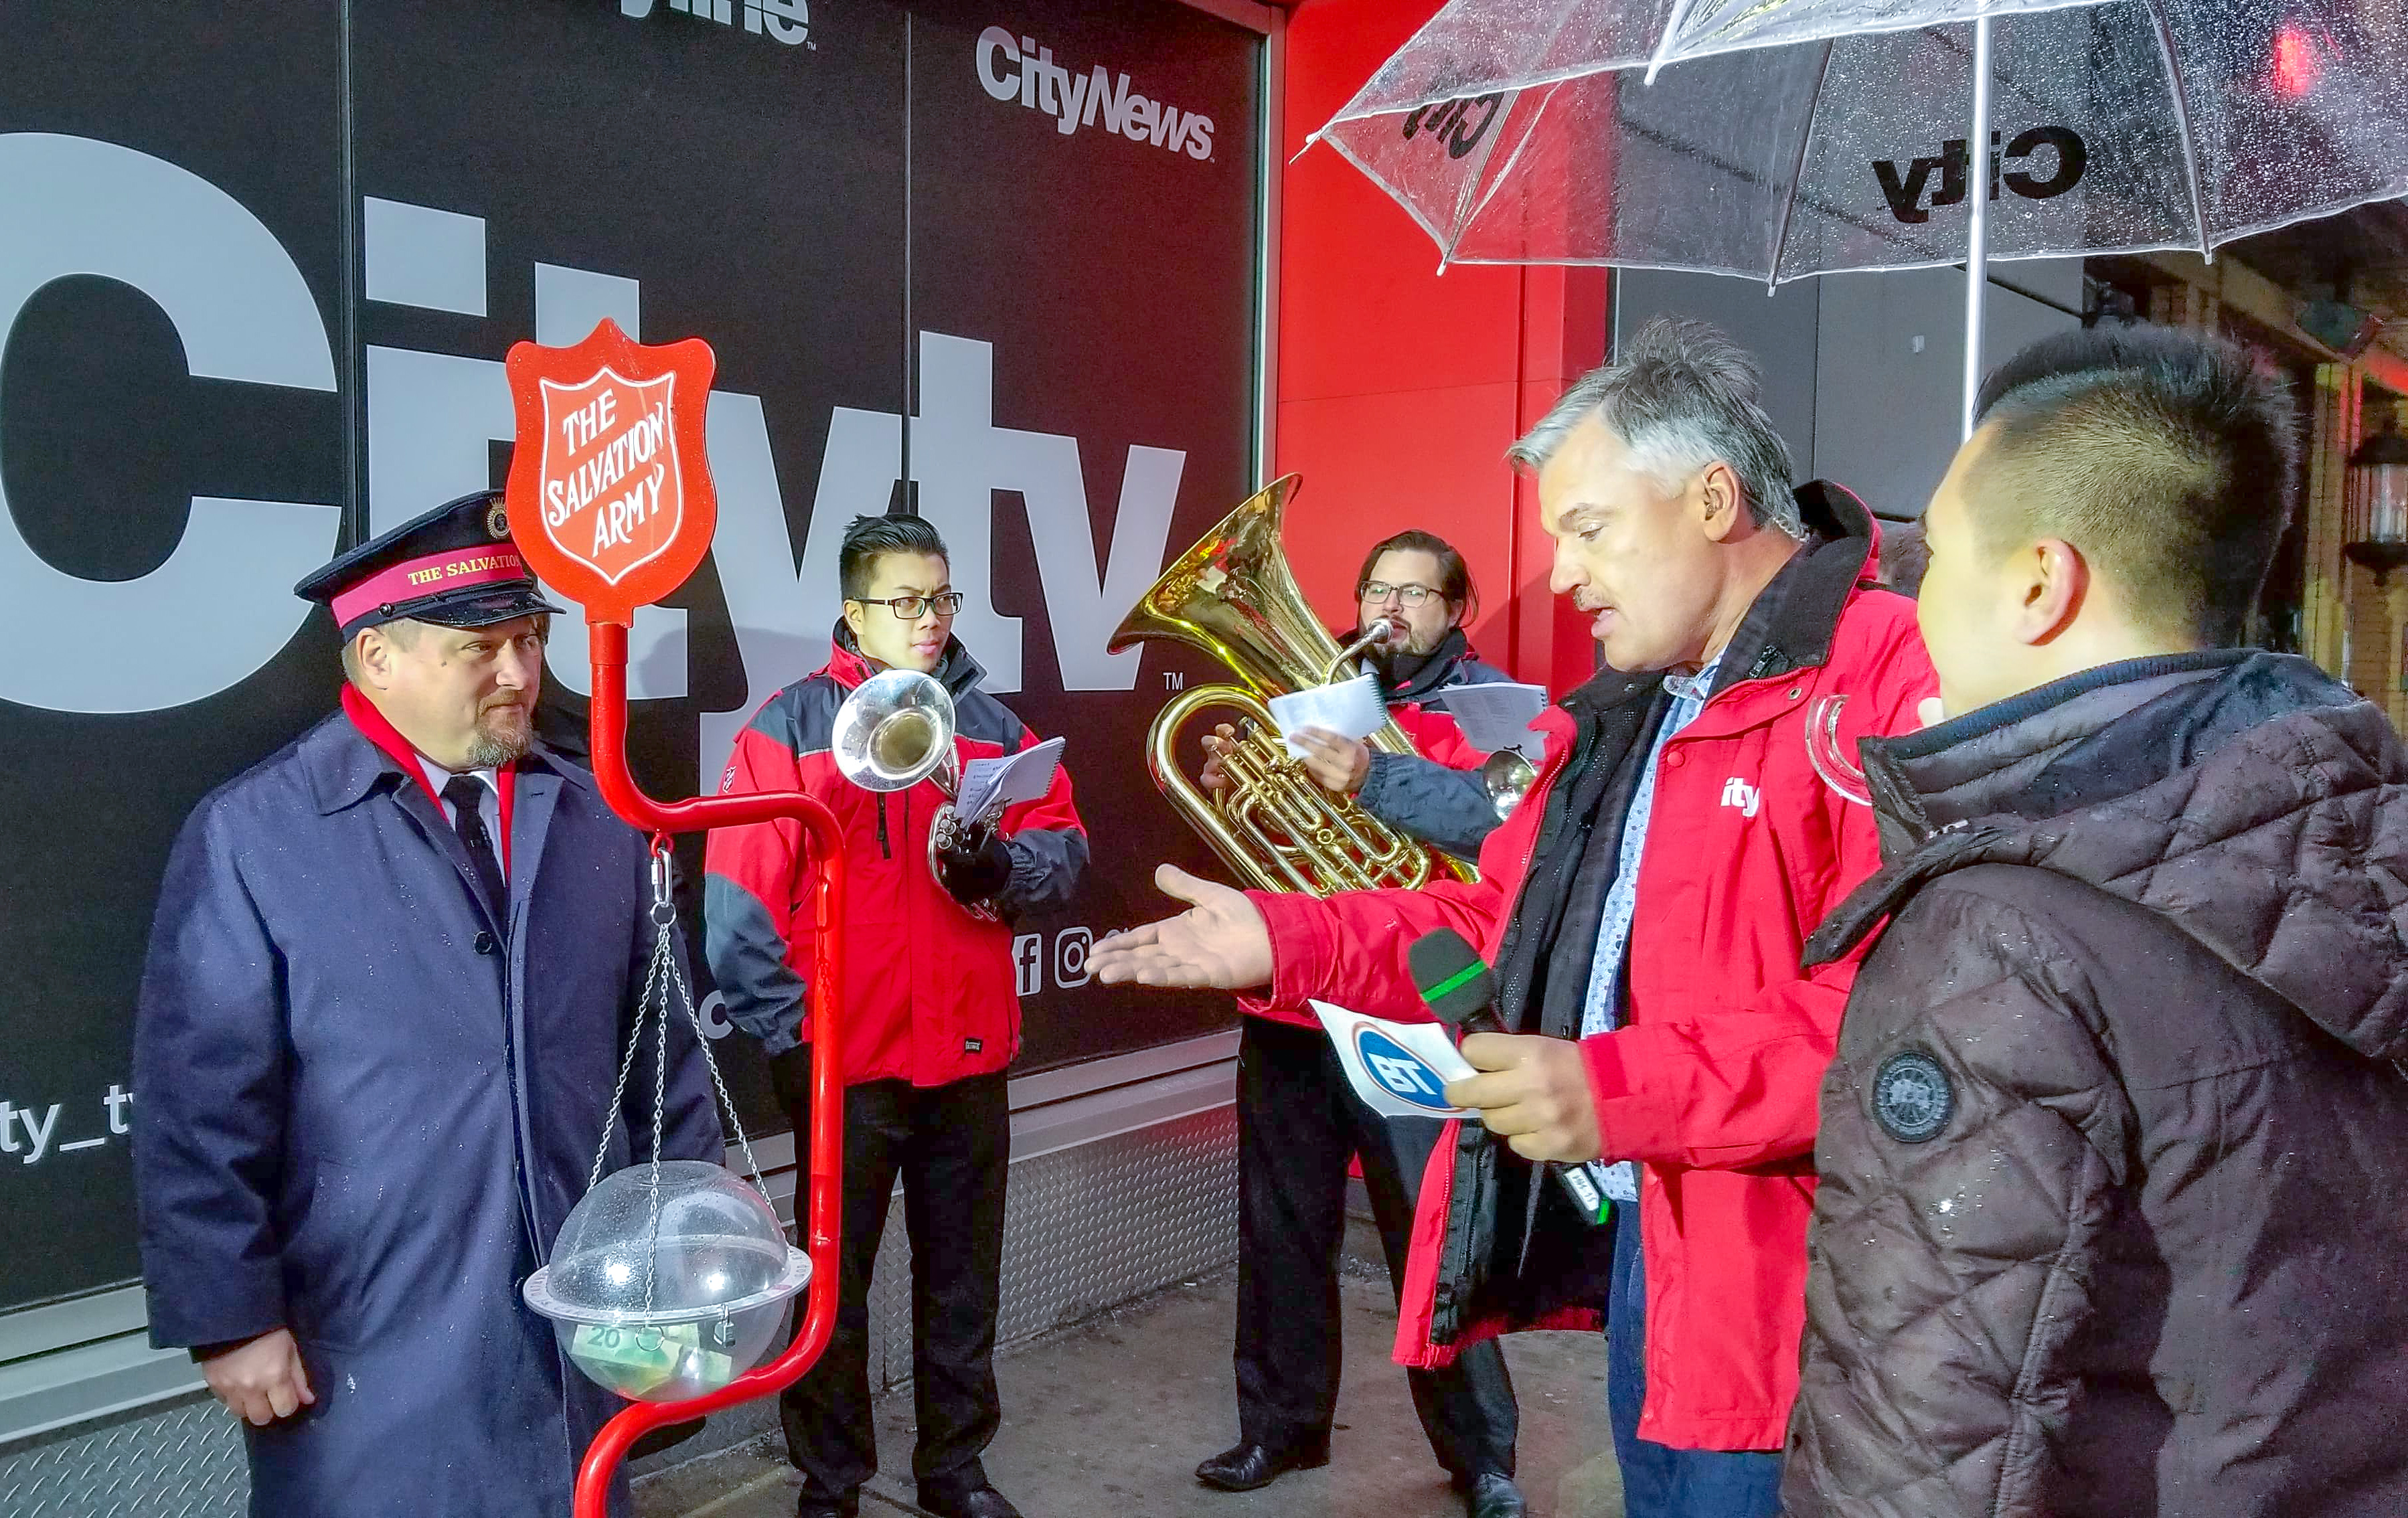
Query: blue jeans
1658,1481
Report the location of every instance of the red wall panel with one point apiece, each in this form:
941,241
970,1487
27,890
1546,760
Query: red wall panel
1400,387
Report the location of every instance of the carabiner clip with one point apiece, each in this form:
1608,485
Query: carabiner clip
664,907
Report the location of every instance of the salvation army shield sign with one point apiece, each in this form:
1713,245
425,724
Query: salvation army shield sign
609,491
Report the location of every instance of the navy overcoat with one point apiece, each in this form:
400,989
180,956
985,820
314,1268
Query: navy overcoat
364,1105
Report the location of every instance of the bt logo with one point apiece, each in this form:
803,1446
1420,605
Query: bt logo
1395,1067
1070,947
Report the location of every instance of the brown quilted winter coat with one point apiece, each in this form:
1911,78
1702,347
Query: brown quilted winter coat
2113,1205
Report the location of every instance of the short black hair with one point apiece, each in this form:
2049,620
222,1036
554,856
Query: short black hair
867,539
1454,574
2164,455
1904,556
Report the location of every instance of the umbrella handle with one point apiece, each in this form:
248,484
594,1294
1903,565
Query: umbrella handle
823,1224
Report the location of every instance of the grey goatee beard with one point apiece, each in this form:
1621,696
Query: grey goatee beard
489,750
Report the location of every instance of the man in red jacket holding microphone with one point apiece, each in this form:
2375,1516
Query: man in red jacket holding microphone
1696,815
932,1015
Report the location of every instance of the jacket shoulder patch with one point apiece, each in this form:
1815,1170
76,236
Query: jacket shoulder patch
1912,1099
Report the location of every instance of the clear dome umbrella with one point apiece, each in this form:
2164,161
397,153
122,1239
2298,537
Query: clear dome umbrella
1778,140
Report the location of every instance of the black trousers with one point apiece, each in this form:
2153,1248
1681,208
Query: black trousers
952,1145
1297,1123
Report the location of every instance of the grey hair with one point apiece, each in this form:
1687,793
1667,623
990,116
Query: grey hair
1680,395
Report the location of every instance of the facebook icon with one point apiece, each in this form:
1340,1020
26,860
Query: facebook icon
1028,963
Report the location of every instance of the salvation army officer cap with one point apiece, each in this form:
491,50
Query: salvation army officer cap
454,566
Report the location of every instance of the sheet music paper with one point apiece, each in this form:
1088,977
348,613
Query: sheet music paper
1399,1069
1007,781
1498,716
1349,708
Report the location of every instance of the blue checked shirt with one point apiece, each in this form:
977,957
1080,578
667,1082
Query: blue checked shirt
1601,1011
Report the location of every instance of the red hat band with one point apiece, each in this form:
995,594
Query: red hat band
414,579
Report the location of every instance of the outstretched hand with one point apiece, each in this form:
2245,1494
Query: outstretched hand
1220,940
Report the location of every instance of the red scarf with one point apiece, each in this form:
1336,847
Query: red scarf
374,727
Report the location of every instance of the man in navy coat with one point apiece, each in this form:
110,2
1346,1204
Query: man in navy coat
388,988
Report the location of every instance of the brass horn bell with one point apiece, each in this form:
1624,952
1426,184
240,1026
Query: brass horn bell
1233,596
895,730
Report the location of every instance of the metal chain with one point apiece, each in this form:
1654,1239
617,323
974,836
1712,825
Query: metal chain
727,1102
627,1068
663,968
662,979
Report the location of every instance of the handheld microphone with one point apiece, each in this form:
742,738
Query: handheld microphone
1454,982
1457,986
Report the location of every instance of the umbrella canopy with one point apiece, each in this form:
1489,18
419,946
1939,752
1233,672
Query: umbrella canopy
1778,140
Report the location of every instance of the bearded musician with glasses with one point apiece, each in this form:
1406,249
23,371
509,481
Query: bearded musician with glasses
1298,1121
932,1014
1418,585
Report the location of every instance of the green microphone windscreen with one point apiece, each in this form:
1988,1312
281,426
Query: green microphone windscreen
1450,977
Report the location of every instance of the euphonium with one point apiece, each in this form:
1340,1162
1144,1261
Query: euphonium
1233,596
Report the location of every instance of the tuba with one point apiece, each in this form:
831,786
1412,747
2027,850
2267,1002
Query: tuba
893,732
1233,596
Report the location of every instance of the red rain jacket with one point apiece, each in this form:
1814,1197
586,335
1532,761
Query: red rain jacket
1759,829
929,994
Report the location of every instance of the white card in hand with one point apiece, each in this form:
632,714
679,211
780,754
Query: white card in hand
989,783
1399,1069
1349,708
1498,716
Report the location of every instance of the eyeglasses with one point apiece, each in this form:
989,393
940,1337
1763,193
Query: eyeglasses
911,607
1411,596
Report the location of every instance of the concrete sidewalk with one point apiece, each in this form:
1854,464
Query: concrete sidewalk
1109,1416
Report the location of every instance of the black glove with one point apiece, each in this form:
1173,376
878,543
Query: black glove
975,871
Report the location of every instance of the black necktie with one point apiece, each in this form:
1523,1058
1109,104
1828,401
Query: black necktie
466,793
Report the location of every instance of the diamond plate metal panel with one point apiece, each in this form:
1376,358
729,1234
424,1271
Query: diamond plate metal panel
890,1305
1092,1226
183,1463
1086,1229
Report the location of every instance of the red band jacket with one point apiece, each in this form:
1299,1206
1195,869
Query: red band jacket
930,996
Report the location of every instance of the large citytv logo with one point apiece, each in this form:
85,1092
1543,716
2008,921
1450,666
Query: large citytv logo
245,314
1015,68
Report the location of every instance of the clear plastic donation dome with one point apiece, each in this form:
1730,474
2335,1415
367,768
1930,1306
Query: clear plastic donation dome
668,1281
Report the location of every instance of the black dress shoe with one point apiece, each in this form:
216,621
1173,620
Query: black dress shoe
978,1502
1246,1467
1493,1495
